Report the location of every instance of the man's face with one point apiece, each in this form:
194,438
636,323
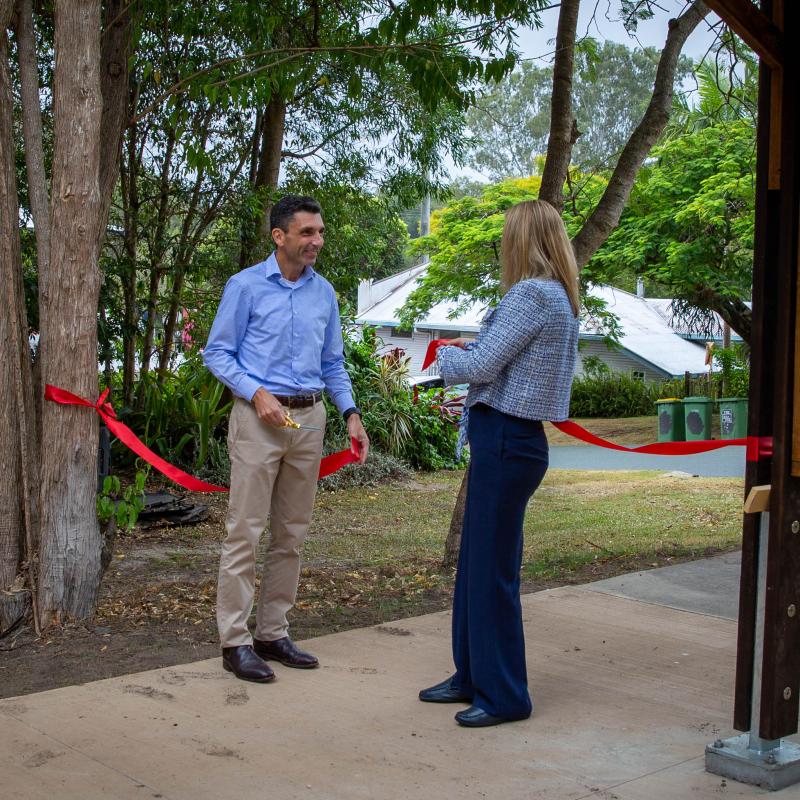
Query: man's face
303,239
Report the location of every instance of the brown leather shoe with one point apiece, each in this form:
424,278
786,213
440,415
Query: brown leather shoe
286,652
246,665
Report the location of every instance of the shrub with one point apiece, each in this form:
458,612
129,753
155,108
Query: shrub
184,418
379,468
733,379
415,430
612,395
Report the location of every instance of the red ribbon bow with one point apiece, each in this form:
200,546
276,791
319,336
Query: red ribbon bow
328,465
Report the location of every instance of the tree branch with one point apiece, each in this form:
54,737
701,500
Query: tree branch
563,131
606,215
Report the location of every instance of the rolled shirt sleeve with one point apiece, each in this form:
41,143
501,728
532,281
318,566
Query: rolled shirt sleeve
519,317
225,338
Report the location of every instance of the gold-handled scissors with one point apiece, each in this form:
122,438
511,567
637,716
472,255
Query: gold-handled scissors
290,423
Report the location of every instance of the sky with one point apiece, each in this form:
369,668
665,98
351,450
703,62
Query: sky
600,19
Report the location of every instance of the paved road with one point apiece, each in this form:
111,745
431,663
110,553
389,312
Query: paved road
725,462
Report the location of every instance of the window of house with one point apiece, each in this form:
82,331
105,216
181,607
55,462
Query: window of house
402,333
638,375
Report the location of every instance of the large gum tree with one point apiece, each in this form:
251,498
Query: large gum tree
64,90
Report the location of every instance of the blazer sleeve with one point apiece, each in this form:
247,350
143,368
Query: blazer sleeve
521,316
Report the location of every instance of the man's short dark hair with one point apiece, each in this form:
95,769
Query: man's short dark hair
282,212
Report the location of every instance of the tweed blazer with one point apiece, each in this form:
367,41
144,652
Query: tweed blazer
524,358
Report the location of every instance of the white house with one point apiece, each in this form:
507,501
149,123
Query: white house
652,347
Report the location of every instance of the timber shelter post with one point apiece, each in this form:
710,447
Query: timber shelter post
768,649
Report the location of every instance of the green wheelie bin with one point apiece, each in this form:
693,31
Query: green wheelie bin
697,417
671,427
733,417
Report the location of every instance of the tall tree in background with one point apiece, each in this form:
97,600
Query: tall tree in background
81,52
606,213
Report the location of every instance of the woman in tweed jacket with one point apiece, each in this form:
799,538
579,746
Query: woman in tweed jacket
520,372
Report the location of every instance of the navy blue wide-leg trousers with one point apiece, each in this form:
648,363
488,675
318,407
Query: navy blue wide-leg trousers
508,459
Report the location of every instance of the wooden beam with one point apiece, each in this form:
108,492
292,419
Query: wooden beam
761,406
757,500
753,26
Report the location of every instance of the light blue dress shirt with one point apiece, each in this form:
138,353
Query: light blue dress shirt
282,335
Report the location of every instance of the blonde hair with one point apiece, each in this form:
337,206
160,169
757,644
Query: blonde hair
535,245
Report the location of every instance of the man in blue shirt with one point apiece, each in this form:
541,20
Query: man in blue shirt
276,342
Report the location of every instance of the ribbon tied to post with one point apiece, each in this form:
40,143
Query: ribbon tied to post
105,410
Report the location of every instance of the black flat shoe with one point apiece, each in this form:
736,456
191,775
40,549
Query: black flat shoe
246,665
286,652
444,693
474,717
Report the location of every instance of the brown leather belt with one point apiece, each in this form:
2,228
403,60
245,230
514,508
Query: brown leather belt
299,400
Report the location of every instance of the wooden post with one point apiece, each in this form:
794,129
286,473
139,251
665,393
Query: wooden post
774,411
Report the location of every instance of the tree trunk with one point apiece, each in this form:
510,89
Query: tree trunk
114,53
32,131
129,191
171,320
734,312
563,127
453,542
255,244
16,511
159,249
71,541
606,216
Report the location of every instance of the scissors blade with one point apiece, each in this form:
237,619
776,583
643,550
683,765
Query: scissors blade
309,428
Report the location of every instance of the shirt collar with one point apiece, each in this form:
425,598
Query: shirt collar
273,271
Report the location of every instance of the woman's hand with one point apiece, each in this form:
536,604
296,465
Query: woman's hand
461,342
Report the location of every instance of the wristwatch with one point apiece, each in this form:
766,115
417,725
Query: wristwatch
348,412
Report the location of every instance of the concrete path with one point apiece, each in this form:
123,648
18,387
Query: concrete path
709,586
722,463
627,694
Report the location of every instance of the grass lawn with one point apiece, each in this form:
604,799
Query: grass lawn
372,555
577,521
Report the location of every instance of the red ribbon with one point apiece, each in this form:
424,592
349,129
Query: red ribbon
758,447
430,353
328,465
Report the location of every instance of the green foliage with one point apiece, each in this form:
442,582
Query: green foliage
183,419
688,226
123,506
733,378
609,395
464,247
419,432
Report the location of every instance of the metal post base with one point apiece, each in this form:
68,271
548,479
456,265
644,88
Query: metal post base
773,768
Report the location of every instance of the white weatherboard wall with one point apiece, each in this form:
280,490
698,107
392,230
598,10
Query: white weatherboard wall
617,361
415,347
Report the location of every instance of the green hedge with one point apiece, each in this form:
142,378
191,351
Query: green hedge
612,395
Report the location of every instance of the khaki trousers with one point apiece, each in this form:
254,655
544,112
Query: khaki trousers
273,476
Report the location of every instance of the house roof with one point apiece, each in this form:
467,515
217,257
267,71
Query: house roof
644,323
678,323
646,332
389,294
